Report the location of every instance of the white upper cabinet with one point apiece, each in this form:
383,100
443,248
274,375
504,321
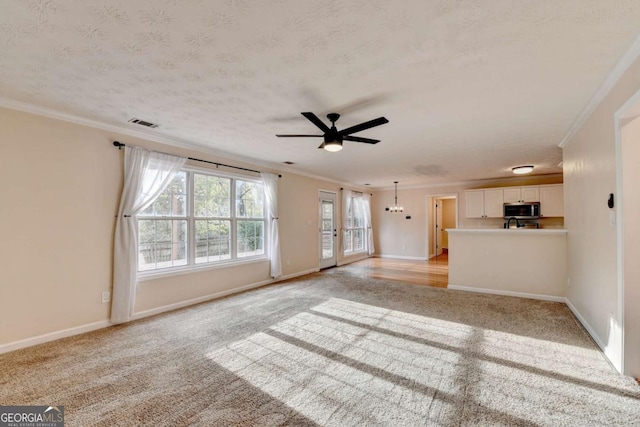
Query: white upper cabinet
552,200
489,203
484,203
521,194
475,203
493,203
530,194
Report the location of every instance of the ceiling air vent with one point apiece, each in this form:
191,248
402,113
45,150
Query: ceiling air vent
143,123
288,163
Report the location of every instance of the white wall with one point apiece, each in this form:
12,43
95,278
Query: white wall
61,185
630,144
589,177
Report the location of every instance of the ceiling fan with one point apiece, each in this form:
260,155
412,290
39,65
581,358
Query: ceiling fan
333,137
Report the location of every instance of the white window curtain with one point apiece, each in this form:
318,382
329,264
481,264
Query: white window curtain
346,201
270,182
146,175
368,228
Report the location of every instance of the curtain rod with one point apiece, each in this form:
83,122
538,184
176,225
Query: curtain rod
120,145
342,189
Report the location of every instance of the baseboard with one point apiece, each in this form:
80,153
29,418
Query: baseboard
413,258
216,295
198,300
298,274
508,293
52,336
588,327
77,330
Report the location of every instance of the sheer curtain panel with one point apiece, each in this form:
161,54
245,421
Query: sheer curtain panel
346,201
146,175
366,199
270,182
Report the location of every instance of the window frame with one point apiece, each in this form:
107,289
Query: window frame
352,229
191,265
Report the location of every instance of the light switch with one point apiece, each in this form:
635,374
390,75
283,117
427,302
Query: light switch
612,218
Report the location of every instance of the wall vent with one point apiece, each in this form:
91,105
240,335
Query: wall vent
143,123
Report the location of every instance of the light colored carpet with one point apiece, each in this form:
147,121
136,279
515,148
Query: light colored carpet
332,349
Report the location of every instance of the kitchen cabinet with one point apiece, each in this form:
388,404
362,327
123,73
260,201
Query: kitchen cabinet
522,194
484,203
552,200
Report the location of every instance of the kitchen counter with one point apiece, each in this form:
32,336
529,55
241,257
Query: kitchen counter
525,262
508,230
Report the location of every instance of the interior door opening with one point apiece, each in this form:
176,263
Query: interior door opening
442,214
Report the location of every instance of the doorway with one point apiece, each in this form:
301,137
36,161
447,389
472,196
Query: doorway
328,229
627,232
442,214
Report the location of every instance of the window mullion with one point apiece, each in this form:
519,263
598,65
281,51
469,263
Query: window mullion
234,225
191,223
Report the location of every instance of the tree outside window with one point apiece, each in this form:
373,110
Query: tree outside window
200,219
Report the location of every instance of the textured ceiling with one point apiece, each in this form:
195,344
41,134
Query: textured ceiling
471,88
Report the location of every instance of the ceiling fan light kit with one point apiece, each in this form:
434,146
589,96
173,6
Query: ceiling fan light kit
332,146
333,138
395,208
521,170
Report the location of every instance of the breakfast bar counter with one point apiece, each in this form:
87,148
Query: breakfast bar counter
521,262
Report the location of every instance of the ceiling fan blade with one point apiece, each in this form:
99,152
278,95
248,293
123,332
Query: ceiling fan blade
316,121
299,136
362,126
359,139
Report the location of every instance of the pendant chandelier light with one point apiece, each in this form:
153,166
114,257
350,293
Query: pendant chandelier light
395,207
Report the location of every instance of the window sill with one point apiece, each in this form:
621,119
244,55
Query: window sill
179,271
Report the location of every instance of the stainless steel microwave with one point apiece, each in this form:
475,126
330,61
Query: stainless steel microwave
527,210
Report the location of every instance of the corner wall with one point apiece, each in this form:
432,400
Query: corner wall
589,177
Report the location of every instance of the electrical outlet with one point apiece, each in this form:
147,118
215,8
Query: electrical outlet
106,297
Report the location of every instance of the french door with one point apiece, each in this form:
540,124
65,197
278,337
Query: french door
328,229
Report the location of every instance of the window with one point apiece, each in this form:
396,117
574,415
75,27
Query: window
202,219
162,228
354,231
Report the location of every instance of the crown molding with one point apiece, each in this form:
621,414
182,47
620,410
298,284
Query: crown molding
625,62
289,169
147,135
155,137
476,182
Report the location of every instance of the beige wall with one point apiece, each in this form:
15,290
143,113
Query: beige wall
60,194
589,177
630,144
520,262
396,236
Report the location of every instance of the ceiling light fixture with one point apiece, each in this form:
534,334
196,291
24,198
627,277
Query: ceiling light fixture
395,207
332,146
520,170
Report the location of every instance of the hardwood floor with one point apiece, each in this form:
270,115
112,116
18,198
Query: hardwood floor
434,272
